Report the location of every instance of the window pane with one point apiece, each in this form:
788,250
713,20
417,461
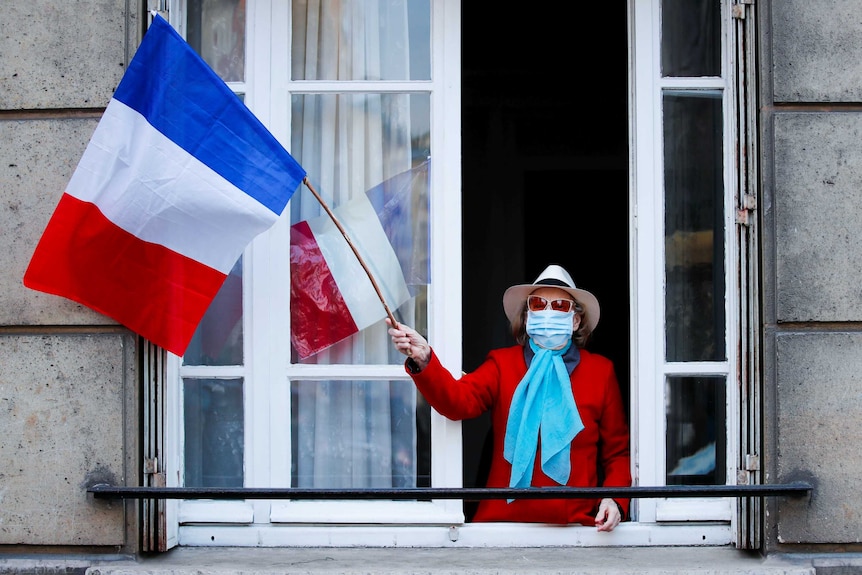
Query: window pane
218,338
696,431
694,226
367,156
357,40
690,38
350,434
214,436
216,30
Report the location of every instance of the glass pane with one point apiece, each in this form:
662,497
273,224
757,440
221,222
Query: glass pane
358,40
218,338
216,30
367,156
690,38
696,431
694,226
351,434
214,428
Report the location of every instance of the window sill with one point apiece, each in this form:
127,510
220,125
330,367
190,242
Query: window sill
501,535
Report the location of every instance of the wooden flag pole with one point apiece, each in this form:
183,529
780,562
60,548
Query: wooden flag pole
355,251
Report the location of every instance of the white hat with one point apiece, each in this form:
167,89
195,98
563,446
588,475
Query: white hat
553,276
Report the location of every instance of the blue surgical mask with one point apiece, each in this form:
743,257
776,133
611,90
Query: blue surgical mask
550,329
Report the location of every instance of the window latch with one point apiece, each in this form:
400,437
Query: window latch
738,8
743,215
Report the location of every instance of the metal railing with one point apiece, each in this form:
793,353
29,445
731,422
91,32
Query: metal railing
794,489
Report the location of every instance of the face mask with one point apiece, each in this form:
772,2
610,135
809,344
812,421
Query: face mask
550,329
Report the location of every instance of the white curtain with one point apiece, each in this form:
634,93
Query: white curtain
351,433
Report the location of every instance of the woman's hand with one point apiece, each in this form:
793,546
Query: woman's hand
408,341
608,516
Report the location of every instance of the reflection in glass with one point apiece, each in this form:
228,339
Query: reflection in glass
367,157
214,441
218,337
216,30
696,433
690,38
352,434
358,40
694,226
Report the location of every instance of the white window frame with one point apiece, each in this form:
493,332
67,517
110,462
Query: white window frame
267,370
262,523
648,354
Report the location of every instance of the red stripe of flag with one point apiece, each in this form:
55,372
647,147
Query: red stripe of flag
315,300
150,289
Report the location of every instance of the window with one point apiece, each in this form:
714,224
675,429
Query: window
685,358
366,96
264,400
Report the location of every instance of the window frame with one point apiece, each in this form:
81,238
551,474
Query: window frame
650,369
267,371
440,523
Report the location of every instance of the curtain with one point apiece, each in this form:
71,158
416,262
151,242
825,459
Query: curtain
351,433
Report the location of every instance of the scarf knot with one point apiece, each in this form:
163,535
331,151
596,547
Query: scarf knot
542,403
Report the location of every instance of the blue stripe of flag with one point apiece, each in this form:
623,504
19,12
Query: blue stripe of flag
184,99
395,200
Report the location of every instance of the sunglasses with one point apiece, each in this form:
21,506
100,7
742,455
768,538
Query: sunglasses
538,303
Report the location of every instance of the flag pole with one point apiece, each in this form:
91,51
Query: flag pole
352,247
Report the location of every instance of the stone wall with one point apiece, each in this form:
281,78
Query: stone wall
68,401
811,71
68,398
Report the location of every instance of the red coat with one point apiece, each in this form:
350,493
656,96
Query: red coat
603,443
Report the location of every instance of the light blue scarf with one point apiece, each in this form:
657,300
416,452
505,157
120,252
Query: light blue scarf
543,401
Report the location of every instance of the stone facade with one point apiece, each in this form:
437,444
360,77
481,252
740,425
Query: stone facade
810,204
68,390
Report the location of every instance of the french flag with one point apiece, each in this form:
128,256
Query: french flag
331,296
176,181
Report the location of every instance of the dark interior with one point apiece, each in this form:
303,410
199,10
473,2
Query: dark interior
545,172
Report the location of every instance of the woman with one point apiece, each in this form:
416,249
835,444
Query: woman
556,408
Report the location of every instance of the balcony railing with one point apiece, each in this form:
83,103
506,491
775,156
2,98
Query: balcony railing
794,489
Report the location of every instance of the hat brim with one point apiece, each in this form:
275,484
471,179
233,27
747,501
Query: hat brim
515,296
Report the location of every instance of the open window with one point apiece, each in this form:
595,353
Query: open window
374,97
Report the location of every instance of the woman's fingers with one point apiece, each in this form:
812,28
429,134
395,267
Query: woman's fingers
402,337
409,342
608,516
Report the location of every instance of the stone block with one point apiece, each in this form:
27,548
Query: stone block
62,420
33,176
817,194
816,51
62,54
819,404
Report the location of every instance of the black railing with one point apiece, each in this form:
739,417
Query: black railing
795,489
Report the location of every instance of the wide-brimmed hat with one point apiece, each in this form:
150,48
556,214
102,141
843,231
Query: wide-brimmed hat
553,276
